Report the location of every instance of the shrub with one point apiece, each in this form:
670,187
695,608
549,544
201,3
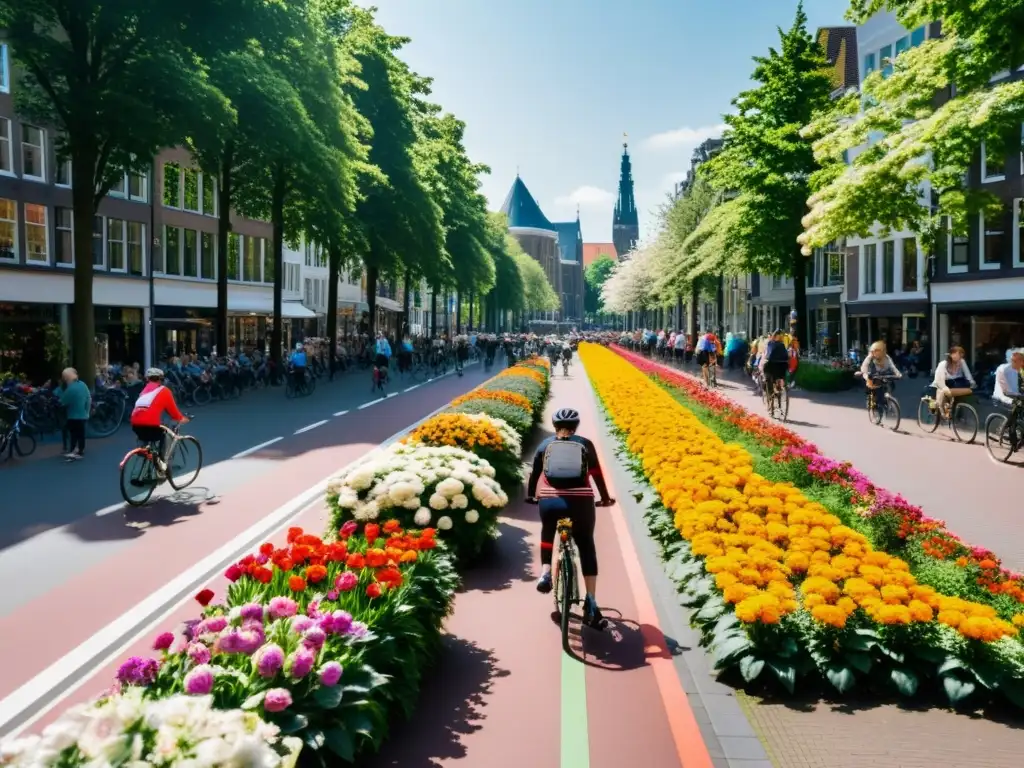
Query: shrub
815,377
491,439
520,418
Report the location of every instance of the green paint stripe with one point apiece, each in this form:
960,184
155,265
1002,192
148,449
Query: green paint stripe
575,735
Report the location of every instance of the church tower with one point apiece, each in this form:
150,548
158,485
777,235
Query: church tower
625,225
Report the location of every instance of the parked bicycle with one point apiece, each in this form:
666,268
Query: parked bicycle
1004,433
16,439
142,473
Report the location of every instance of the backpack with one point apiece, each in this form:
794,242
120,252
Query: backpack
565,464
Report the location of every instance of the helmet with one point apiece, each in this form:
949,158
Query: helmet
566,417
154,373
298,347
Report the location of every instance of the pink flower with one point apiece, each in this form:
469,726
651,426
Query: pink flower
269,660
302,662
277,700
198,652
301,623
314,638
282,607
252,612
212,624
199,681
332,595
346,582
348,529
330,674
163,641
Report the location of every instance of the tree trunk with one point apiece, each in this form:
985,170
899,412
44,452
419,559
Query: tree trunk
679,314
692,324
406,300
471,297
458,312
372,274
277,196
800,300
83,314
334,269
433,312
227,162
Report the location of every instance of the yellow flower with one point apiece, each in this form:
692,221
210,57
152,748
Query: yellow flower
829,614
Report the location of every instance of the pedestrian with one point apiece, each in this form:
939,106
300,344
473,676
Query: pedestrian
77,401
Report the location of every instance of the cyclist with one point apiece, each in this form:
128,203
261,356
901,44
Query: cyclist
952,379
147,416
461,353
297,360
1008,378
381,360
877,363
707,355
554,352
774,362
560,484
566,358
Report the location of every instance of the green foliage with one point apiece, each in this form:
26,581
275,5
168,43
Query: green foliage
594,277
519,419
815,377
538,295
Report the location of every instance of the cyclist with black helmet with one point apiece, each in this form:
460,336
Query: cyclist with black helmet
560,484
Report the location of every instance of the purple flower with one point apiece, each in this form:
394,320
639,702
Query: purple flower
313,611
190,628
199,681
337,623
330,674
199,653
332,595
314,638
282,607
138,671
347,581
241,640
359,630
252,612
269,660
212,624
302,662
301,623
277,700
163,641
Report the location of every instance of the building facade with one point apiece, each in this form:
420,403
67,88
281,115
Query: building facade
570,256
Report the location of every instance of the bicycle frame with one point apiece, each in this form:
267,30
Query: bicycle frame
566,588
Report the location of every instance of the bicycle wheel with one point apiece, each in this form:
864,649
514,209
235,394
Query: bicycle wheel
186,461
565,591
927,419
965,422
105,420
24,444
201,395
783,397
138,478
892,413
310,385
875,413
289,389
997,438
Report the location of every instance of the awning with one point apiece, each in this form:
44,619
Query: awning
264,305
389,304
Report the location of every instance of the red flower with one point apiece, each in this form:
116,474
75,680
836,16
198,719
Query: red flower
293,534
233,573
284,563
375,558
266,549
390,577
262,575
391,526
204,597
371,532
355,561
316,573
373,590
296,583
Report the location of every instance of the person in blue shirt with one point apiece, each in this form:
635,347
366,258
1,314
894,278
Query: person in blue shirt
298,363
382,358
707,355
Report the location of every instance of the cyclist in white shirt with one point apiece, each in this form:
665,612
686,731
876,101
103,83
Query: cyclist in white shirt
1008,378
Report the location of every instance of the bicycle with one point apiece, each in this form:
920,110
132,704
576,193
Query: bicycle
962,417
565,367
15,440
380,378
778,395
306,387
889,406
140,472
1004,434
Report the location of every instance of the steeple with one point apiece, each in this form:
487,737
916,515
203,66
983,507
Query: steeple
625,224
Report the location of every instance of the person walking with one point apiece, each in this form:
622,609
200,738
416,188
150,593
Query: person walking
76,399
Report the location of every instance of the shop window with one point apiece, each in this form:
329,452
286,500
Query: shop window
836,267
190,190
871,268
268,260
251,259
909,264
8,230
172,250
209,187
136,248
1018,232
37,249
116,245
33,146
234,254
6,155
889,266
190,253
64,250
172,185
98,249
993,240
208,256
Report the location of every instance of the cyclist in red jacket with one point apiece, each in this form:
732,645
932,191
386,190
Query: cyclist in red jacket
147,417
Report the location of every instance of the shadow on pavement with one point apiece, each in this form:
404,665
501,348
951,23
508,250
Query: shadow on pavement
505,561
457,690
132,522
623,645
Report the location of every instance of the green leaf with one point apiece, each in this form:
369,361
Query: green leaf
785,673
957,689
712,610
841,677
858,642
904,680
751,668
896,656
951,664
789,648
1014,691
860,661
314,738
728,649
726,624
340,742
329,697
291,723
360,723
253,701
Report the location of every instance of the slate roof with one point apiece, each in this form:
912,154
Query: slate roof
840,47
568,237
592,251
522,210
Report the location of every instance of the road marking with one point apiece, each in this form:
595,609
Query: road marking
109,510
341,413
54,684
260,447
310,426
372,402
575,735
391,394
410,389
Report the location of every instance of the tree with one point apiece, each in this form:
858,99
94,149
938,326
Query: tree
594,277
630,286
119,81
768,165
538,295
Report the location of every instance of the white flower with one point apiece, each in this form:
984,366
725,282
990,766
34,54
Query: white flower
460,501
438,502
450,487
360,478
422,517
348,499
413,503
472,516
444,523
404,490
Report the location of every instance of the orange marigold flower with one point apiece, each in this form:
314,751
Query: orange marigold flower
296,583
316,573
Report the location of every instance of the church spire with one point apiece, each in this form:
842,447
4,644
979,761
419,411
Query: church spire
625,223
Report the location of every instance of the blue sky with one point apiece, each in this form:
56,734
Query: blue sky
550,86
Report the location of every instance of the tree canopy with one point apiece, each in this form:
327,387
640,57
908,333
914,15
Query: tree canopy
594,278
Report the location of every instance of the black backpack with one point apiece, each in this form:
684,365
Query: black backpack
565,464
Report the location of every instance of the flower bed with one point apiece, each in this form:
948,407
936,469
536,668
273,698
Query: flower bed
783,589
937,556
492,439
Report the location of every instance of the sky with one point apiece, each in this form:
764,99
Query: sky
548,88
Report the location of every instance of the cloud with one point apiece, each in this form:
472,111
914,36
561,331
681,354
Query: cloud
685,137
585,197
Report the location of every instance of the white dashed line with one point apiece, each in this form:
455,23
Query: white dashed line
391,394
341,413
372,402
410,389
308,427
260,447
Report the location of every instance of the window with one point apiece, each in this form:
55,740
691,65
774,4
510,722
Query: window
888,266
64,252
234,255
909,264
268,260
97,242
37,249
993,239
209,186
8,230
6,155
5,69
120,186
885,60
902,44
172,250
32,165
251,259
917,37
116,245
62,176
307,294
190,253
208,256
835,267
993,163
136,248
172,185
138,186
869,64
959,251
190,190
871,268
